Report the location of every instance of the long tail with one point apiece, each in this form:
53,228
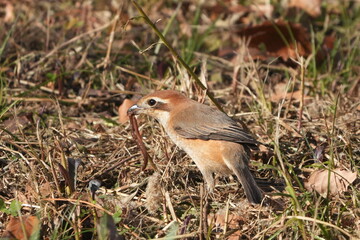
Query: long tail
252,191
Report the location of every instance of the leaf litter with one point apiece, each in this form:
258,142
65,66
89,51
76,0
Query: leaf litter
330,182
70,43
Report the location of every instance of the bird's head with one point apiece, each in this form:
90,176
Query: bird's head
158,104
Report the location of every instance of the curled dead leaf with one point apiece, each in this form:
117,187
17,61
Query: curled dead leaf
277,39
14,227
7,10
337,183
17,122
232,221
312,7
280,92
122,111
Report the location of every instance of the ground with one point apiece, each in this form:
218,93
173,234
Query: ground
288,74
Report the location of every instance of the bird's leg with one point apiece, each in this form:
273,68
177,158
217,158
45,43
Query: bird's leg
209,179
204,204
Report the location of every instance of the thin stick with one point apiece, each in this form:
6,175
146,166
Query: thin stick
74,39
227,216
77,201
201,223
175,54
170,206
302,86
106,61
184,236
273,225
137,74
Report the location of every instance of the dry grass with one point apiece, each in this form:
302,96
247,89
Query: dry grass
65,69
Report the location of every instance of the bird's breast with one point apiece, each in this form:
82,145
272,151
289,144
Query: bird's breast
207,155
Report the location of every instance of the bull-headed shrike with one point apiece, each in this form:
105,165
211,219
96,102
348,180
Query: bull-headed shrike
215,142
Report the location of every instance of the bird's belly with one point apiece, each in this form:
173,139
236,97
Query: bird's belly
208,155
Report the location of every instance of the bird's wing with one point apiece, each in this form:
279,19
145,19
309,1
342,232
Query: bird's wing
203,122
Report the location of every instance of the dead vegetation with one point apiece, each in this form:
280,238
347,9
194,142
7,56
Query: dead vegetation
67,66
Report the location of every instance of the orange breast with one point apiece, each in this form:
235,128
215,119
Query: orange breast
208,155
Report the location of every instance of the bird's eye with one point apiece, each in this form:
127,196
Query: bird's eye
151,102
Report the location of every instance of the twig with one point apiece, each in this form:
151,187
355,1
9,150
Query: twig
106,61
185,236
77,201
201,223
185,224
302,78
137,74
74,39
175,54
273,225
227,216
170,206
53,172
25,205
46,89
118,164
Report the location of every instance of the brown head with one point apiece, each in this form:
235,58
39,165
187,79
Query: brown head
158,104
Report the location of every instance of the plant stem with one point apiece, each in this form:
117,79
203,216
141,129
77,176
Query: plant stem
175,54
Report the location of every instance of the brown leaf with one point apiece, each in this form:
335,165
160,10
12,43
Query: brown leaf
8,11
339,181
17,122
326,48
14,228
312,7
234,222
277,39
237,11
45,190
281,92
123,117
263,9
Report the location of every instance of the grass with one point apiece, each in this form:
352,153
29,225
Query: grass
59,100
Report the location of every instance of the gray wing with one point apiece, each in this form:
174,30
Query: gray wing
210,124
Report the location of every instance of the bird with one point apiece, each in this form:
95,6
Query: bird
213,140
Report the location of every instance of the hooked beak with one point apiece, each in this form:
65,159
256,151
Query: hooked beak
134,109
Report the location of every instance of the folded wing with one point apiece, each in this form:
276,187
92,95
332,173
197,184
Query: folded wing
215,126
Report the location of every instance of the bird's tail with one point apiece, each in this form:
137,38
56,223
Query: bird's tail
252,191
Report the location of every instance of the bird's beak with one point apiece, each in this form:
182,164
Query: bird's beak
134,109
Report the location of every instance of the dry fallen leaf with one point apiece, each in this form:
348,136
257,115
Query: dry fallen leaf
14,229
237,12
277,39
312,7
123,117
280,92
17,122
234,222
264,9
339,181
7,11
